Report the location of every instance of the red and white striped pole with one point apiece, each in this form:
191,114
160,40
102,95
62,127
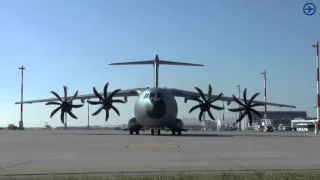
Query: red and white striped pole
318,94
265,93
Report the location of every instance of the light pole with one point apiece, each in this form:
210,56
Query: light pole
239,91
88,127
222,124
318,94
265,93
21,106
65,116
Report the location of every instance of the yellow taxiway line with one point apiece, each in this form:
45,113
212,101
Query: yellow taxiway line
153,146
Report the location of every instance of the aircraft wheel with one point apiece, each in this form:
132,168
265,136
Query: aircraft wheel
152,131
179,133
173,133
159,132
131,132
137,132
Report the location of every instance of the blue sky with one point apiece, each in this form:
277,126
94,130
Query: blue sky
72,42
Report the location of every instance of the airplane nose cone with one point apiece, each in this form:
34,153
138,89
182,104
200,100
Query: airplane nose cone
157,110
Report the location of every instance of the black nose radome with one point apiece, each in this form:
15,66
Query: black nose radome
157,109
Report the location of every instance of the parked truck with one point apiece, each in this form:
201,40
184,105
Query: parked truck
12,127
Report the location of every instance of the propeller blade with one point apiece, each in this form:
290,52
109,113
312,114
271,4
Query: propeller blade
62,117
55,111
236,109
112,94
97,94
211,116
245,96
237,100
253,97
65,93
94,102
107,115
195,107
250,117
74,96
53,103
200,115
115,109
56,95
209,92
241,117
201,93
118,101
216,98
72,115
98,111
76,105
105,91
256,112
216,107
257,104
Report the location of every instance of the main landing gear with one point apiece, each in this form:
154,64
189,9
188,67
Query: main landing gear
174,132
158,131
136,131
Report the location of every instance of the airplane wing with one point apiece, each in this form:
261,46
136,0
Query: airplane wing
122,93
190,94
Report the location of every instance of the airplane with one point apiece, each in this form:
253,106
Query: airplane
155,108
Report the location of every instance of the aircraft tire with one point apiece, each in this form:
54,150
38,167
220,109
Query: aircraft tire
179,133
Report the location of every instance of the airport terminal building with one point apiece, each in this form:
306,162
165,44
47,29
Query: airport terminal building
281,117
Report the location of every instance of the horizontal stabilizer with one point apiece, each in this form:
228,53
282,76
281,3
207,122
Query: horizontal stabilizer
134,63
158,62
178,63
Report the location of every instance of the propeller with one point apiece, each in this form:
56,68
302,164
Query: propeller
106,101
247,106
65,105
206,104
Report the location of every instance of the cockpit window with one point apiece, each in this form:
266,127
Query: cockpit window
153,95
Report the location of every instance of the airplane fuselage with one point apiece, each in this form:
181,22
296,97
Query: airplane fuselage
155,108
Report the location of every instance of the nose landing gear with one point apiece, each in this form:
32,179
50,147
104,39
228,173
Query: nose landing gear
158,131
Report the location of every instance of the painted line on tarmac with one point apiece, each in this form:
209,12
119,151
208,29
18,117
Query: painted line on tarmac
27,162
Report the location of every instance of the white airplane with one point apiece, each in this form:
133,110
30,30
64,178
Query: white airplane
155,107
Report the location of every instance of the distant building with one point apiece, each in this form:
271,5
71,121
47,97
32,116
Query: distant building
281,117
192,123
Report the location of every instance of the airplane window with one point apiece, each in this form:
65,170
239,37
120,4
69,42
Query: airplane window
152,95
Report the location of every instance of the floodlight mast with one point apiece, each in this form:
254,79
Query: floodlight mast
318,94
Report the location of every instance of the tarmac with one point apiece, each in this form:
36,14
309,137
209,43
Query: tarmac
42,152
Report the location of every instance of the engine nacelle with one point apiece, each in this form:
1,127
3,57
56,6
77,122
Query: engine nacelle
134,125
